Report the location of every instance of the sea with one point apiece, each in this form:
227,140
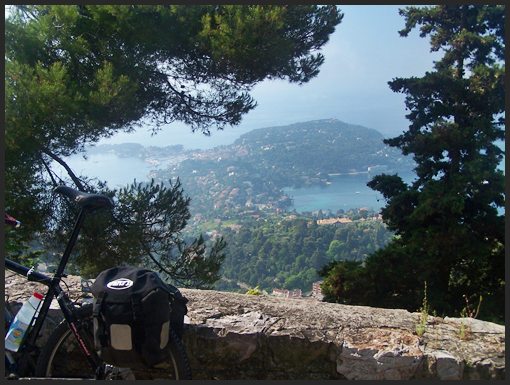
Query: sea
348,191
345,192
117,171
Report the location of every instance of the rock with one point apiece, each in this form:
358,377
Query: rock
18,290
446,365
236,336
374,364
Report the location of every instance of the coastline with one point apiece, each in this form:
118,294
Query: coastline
349,173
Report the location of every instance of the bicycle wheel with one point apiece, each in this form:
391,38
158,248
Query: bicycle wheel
61,357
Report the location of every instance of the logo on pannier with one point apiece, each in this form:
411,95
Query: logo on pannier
120,284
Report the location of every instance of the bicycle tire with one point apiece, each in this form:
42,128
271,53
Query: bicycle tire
61,357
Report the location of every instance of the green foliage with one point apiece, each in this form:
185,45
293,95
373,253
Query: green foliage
79,73
342,280
144,228
17,250
254,291
277,252
464,329
450,232
335,249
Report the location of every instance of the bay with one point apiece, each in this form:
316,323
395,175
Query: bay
117,171
348,191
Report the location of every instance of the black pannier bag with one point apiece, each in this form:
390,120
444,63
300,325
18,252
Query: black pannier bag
133,312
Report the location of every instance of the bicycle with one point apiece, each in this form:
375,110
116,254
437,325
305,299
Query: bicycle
69,351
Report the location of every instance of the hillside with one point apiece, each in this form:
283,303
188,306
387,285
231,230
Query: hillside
285,252
251,172
319,147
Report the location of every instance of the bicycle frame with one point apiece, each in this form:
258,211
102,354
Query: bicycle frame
54,291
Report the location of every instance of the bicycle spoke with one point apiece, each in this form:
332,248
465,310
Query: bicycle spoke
63,358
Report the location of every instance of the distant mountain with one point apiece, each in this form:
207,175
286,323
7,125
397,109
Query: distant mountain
320,147
135,150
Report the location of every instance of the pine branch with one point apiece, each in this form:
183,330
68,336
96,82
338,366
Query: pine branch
77,181
49,171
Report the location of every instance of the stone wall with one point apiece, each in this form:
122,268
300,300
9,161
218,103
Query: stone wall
236,336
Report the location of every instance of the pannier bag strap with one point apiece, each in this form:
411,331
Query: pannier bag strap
98,304
138,321
96,310
136,305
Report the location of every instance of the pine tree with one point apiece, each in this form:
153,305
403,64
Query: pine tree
449,221
78,73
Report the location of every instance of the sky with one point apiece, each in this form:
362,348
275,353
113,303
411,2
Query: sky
362,55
